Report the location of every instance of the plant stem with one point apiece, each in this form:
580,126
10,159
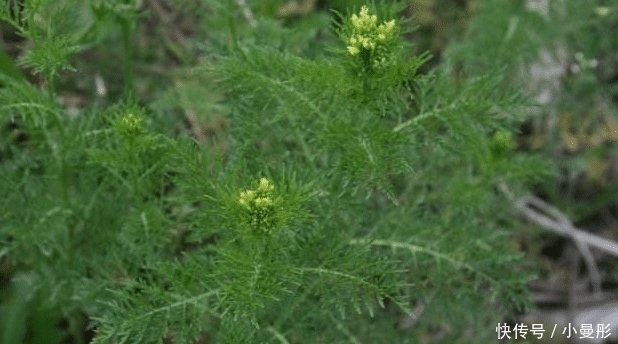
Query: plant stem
129,70
232,24
51,89
76,322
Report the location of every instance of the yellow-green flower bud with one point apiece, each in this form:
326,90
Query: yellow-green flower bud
602,11
372,44
265,186
129,126
353,50
258,206
246,198
502,143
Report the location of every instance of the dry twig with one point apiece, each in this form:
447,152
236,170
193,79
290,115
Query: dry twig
545,215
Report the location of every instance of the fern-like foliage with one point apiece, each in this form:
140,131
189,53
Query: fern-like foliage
354,187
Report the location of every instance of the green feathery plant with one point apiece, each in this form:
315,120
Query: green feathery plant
354,189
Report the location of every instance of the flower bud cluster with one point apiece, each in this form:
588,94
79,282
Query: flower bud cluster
502,142
370,41
259,206
130,126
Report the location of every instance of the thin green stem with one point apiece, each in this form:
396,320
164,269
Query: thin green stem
51,87
305,148
232,24
127,47
76,328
